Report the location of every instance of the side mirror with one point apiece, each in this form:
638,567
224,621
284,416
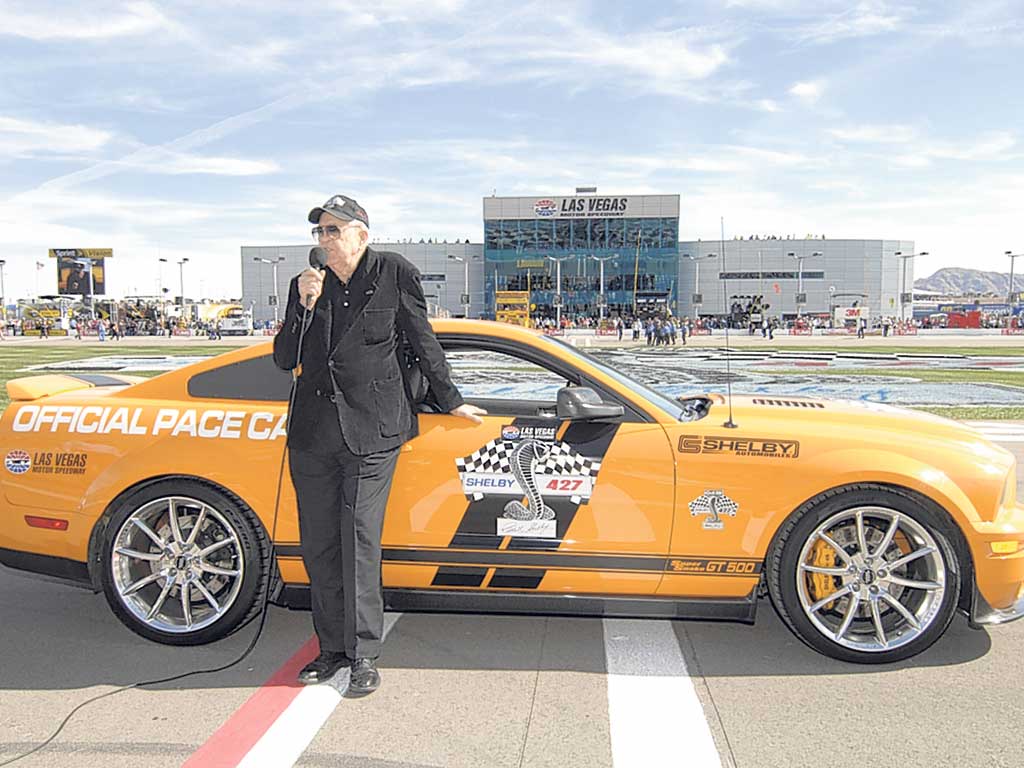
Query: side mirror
583,404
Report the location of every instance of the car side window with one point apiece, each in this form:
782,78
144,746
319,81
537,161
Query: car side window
497,376
255,379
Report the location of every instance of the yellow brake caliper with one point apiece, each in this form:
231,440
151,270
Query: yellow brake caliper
823,585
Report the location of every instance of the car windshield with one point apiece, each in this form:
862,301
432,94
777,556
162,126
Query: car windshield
666,404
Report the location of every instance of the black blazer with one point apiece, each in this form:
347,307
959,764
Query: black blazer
363,368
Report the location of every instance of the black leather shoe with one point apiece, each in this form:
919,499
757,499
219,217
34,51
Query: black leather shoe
323,667
365,677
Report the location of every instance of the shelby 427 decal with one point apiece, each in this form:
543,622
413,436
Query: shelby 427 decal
530,475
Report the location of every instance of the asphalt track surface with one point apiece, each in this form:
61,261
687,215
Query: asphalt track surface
463,690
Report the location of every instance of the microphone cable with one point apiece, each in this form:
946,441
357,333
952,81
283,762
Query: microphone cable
271,564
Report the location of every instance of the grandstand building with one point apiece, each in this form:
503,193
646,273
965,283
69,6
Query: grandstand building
622,252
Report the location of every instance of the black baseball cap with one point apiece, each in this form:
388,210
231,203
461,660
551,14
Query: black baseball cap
342,207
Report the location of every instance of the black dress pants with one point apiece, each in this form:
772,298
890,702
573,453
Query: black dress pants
341,499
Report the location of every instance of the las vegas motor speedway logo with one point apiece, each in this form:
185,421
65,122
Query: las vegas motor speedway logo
18,462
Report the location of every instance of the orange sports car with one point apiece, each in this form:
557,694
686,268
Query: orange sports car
583,492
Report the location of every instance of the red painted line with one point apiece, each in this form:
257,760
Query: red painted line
810,364
233,740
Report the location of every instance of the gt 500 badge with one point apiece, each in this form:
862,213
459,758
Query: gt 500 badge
714,504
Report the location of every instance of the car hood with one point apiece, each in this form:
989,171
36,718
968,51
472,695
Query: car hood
841,420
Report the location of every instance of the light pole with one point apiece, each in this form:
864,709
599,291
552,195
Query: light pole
465,283
1011,299
558,285
3,291
601,260
697,298
903,282
800,298
181,277
160,275
831,304
273,263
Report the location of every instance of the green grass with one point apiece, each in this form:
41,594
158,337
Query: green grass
14,358
1016,350
931,375
975,412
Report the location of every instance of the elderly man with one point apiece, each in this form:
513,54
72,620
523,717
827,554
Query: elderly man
350,418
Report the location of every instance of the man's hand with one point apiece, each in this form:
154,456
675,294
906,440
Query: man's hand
470,412
311,285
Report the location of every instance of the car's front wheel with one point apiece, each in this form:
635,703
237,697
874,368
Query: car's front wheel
865,574
184,563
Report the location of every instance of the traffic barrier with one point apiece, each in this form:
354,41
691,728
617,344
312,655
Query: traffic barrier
800,332
1013,332
607,332
700,332
910,331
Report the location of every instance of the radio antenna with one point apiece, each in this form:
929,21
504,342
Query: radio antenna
728,353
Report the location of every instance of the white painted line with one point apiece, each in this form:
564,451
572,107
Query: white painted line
293,731
654,715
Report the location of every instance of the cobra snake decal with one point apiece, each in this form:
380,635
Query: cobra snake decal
522,460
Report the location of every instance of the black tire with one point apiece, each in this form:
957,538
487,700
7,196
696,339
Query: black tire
783,568
249,549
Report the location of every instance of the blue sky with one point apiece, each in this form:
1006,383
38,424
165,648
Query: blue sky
192,128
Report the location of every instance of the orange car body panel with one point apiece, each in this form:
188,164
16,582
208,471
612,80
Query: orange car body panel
641,530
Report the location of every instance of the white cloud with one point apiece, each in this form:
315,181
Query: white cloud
768,105
88,23
25,138
395,11
864,20
809,91
176,163
876,134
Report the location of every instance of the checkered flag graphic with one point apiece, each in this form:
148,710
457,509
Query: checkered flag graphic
563,460
495,458
713,503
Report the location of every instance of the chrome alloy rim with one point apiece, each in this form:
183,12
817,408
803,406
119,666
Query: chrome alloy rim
887,580
177,564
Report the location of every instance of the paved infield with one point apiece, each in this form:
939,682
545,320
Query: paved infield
465,690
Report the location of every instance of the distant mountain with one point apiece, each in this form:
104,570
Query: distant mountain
953,281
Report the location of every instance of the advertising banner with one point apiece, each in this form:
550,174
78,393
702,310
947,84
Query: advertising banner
74,266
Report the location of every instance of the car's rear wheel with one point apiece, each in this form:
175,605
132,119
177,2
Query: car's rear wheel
867,574
184,562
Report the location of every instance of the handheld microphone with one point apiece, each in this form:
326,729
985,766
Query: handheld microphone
317,257
318,261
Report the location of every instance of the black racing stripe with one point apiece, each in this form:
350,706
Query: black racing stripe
288,550
521,558
99,380
476,541
456,576
516,578
590,438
